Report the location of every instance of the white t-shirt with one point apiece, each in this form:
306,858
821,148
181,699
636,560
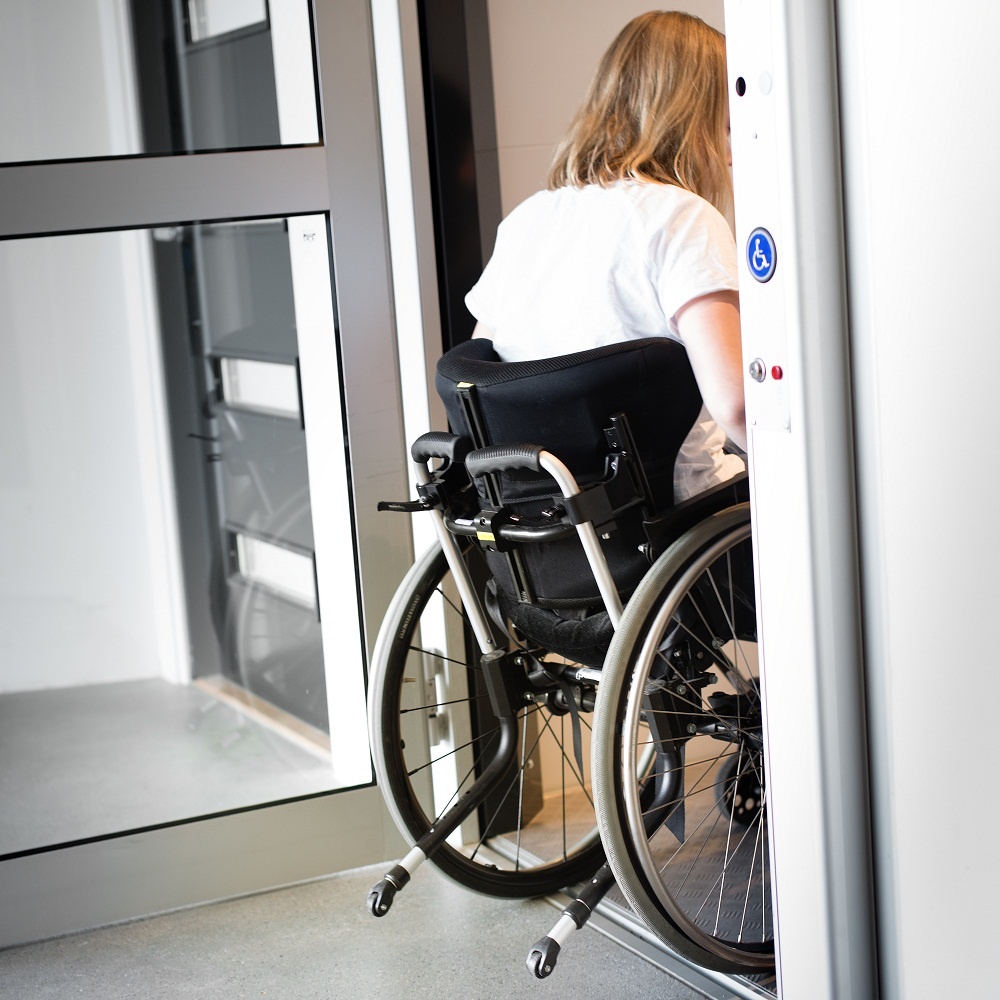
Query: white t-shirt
577,268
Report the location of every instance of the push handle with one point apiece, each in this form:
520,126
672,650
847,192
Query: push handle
440,444
501,458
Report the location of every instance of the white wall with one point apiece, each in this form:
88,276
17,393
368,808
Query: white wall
922,156
65,61
88,578
544,54
78,581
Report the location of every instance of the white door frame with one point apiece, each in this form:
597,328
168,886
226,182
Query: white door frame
786,157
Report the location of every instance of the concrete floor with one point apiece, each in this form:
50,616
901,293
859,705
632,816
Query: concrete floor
93,760
318,941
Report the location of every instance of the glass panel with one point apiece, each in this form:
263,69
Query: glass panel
95,78
260,385
245,268
288,573
208,18
159,610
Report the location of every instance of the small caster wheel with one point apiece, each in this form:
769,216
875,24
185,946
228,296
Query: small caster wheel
380,898
542,958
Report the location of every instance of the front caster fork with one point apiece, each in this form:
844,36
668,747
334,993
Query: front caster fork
660,804
381,895
542,957
501,682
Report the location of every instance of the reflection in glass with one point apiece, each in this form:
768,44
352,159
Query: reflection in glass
159,612
260,385
278,568
94,78
208,18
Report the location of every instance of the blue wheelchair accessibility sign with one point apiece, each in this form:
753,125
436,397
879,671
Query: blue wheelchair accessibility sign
761,254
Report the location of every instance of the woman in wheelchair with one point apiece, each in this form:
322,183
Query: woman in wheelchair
565,689
630,240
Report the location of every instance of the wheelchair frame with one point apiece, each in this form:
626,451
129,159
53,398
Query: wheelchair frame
639,740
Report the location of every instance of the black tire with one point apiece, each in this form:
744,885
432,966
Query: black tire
548,844
684,659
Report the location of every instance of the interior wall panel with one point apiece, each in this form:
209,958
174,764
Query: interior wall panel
921,159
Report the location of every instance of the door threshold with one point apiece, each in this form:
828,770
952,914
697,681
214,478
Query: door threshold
261,711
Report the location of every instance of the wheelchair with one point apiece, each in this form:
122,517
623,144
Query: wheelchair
564,690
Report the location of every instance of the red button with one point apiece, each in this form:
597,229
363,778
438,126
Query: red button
776,372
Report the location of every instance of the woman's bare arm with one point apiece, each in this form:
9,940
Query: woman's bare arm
710,329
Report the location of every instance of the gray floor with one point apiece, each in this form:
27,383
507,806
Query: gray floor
88,761
318,941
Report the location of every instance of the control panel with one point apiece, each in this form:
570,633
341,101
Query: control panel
761,237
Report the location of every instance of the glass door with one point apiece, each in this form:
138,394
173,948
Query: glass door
238,432
197,424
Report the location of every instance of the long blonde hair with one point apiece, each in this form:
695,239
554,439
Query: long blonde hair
657,110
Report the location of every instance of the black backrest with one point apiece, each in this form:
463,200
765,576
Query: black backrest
564,404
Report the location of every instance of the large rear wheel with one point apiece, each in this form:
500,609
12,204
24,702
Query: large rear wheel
679,775
433,732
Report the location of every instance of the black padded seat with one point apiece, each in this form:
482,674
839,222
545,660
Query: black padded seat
564,404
